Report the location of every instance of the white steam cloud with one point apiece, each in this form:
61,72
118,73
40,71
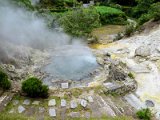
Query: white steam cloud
20,27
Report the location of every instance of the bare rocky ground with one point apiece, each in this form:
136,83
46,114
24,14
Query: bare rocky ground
97,105
141,55
92,101
102,96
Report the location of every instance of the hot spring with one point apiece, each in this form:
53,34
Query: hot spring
70,62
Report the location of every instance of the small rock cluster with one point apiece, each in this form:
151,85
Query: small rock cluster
117,81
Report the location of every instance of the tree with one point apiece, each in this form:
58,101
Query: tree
80,22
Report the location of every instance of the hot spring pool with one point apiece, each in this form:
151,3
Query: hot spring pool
70,63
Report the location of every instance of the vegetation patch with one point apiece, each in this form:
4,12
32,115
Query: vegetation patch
131,75
144,114
4,81
34,88
5,116
80,22
110,15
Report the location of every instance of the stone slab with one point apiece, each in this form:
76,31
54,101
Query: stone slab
21,109
52,102
83,103
52,112
90,99
64,85
63,103
26,102
35,102
73,104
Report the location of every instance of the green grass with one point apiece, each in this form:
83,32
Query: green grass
105,118
108,10
57,99
76,92
22,117
14,117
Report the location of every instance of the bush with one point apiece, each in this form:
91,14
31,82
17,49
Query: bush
4,82
110,15
144,18
34,88
144,114
24,3
70,3
129,30
124,2
80,22
142,7
155,11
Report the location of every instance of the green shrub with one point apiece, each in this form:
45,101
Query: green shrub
24,3
142,7
144,18
110,15
70,3
80,22
124,2
4,82
155,11
129,30
34,88
131,75
144,114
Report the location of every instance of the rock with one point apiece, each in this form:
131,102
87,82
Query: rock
63,103
143,51
21,109
73,104
158,49
15,102
75,114
52,102
139,69
90,99
64,85
11,111
100,60
149,103
87,115
120,88
111,86
52,112
26,102
117,72
83,103
41,109
35,102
